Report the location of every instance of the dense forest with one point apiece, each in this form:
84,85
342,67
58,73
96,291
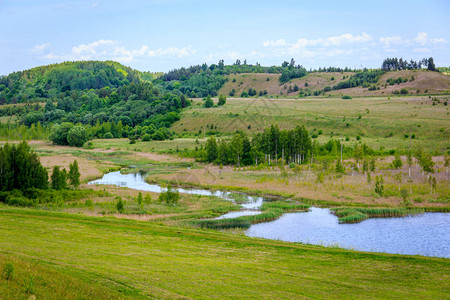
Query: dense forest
90,99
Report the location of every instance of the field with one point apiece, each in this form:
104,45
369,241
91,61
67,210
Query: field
92,257
424,82
380,122
85,248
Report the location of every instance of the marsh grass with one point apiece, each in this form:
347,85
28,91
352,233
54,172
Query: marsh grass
358,214
270,211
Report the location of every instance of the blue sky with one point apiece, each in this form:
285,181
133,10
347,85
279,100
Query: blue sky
158,35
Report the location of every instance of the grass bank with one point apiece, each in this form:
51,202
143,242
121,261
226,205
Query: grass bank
124,258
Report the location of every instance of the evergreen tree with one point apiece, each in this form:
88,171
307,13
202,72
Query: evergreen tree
21,169
74,174
59,178
222,100
211,149
140,199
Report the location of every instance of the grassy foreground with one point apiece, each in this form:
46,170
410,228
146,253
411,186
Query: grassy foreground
57,255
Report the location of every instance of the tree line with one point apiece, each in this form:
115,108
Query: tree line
396,64
20,169
269,146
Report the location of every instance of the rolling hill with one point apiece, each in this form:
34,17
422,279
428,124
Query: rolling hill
424,82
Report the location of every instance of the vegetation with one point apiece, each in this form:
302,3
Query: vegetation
358,214
92,99
271,145
74,264
20,169
395,64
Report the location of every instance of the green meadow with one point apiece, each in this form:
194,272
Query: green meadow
58,255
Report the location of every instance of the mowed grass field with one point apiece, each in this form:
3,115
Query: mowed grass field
58,255
378,121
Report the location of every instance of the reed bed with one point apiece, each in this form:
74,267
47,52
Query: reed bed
285,206
271,211
355,215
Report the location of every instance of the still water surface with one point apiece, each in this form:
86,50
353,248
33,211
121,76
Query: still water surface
427,234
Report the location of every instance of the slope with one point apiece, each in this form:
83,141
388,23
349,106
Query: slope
141,259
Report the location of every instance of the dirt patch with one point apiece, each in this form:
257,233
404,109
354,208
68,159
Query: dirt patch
87,168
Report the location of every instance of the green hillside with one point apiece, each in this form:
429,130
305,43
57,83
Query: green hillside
57,255
268,85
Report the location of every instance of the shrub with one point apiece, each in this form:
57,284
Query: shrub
108,135
346,97
403,91
170,197
146,137
120,205
148,199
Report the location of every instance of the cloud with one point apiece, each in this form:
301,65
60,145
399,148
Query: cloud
112,50
420,40
277,43
340,40
90,49
40,48
94,5
392,40
344,44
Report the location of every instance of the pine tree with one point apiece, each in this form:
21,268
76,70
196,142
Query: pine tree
140,199
74,175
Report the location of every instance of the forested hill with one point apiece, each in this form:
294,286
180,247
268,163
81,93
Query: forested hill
100,99
49,81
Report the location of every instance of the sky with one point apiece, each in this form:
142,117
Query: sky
158,35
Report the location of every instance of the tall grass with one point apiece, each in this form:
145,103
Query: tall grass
285,206
271,211
355,215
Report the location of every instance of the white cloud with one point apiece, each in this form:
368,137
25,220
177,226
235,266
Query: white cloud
39,49
277,43
339,40
112,50
332,46
91,48
94,5
392,40
349,39
421,40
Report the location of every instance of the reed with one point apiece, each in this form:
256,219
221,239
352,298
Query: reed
355,215
285,206
239,222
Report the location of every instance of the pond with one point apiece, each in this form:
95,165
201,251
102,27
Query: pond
427,234
137,182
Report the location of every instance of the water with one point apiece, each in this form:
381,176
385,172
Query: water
427,234
137,182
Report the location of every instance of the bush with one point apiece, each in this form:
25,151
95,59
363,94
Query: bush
146,137
120,205
170,197
108,135
403,91
208,102
346,97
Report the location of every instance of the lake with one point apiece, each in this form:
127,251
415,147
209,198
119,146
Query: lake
426,234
